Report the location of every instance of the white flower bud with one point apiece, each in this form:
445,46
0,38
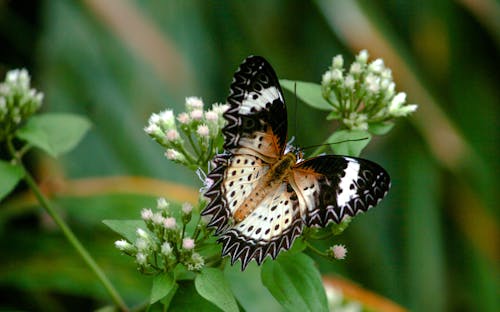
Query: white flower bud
146,214
187,208
172,135
143,234
183,118
338,251
141,259
326,79
172,154
162,203
376,66
211,116
157,218
188,243
362,57
193,103
337,74
220,108
141,244
123,245
355,68
196,262
196,114
349,82
170,223
397,101
338,62
166,249
203,130
167,119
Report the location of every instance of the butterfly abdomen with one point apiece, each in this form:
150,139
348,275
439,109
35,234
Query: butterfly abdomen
269,183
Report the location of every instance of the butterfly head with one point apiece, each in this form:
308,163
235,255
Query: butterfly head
297,151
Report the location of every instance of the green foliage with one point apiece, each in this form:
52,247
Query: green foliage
308,92
349,142
212,285
248,289
126,228
11,175
54,133
295,282
164,287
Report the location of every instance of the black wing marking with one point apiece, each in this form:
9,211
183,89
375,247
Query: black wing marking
331,187
257,107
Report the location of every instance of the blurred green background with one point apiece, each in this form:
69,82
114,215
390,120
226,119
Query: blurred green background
432,245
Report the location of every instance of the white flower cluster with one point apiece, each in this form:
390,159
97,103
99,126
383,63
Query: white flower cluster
201,129
17,101
363,95
163,244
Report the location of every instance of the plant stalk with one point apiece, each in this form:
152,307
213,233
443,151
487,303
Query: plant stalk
70,236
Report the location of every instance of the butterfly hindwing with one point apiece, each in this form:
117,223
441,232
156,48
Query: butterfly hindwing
270,228
334,186
257,118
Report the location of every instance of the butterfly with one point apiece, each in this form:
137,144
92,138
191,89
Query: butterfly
262,194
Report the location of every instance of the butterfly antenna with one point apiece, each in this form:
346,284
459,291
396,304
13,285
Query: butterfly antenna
326,144
295,109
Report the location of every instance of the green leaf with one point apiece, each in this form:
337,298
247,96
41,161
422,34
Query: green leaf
163,284
342,144
334,115
380,128
295,282
212,285
11,174
168,298
56,134
188,299
248,289
108,308
298,246
308,92
126,228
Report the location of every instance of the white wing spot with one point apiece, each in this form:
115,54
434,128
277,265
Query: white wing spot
259,101
346,183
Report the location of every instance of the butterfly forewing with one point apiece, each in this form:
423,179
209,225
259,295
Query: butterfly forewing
257,110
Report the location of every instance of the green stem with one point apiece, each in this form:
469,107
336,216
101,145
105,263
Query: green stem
315,250
70,236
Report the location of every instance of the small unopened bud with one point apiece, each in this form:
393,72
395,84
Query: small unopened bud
338,252
170,223
338,62
188,243
166,249
187,208
146,214
193,103
141,259
162,203
124,246
203,130
196,114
